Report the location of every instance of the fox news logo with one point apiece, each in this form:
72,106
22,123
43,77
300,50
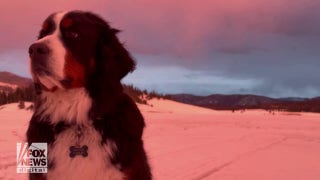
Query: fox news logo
33,158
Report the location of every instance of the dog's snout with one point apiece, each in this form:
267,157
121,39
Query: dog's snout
38,49
39,54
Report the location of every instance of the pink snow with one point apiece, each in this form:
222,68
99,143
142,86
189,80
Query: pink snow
187,142
8,85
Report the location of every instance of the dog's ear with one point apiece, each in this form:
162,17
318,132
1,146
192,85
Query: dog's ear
124,63
110,49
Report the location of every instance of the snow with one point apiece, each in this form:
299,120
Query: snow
14,123
12,86
185,142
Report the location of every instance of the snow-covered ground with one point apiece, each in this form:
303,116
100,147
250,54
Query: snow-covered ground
12,86
185,142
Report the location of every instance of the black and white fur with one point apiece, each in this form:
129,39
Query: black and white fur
77,64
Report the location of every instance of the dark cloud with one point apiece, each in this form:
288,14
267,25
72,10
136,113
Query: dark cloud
237,50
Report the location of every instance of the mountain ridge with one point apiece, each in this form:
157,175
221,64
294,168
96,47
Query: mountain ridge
249,101
13,79
9,82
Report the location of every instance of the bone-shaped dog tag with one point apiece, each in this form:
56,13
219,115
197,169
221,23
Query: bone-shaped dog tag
76,150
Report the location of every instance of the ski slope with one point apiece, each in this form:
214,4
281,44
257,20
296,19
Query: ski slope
185,142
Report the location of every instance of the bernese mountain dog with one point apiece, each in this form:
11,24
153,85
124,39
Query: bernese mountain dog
92,128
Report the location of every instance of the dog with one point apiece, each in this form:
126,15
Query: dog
92,128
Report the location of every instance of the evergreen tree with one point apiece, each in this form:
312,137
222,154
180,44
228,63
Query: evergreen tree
21,105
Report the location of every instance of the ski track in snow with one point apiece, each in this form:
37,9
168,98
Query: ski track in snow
241,156
185,142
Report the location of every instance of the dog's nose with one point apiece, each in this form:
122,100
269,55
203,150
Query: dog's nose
38,49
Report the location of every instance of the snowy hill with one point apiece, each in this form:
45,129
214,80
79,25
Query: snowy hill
185,142
13,79
10,82
8,85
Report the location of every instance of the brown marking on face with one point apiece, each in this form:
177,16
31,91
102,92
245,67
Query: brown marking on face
66,23
92,64
45,26
74,73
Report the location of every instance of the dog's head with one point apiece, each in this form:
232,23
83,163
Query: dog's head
74,48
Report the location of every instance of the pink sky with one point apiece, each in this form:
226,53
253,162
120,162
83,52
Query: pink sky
187,22
256,40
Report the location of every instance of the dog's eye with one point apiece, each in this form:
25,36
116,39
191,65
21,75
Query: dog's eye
71,35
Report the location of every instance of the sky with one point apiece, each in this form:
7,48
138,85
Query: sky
263,47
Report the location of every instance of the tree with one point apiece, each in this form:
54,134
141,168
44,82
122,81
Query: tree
21,105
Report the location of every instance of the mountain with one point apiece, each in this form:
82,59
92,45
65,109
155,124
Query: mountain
10,81
232,102
297,99
220,101
10,78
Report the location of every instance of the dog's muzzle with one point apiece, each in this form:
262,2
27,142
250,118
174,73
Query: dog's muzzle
39,54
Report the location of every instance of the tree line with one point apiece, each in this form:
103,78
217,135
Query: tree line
17,95
28,94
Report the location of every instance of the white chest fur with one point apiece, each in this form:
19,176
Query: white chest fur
96,165
72,106
68,105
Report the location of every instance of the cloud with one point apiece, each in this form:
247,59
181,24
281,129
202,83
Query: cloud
271,41
181,80
179,28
